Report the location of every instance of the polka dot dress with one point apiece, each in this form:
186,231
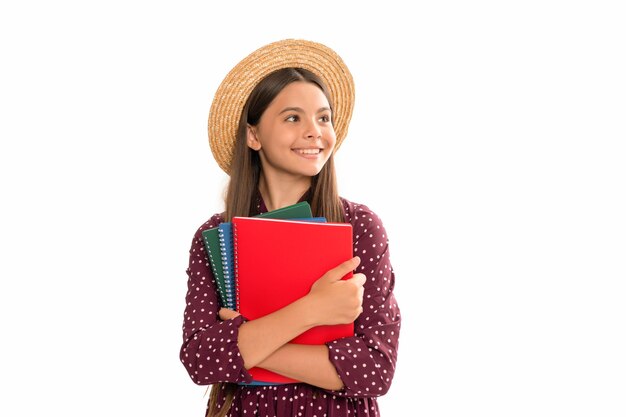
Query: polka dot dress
364,362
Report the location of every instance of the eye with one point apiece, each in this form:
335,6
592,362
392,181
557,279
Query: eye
325,118
292,118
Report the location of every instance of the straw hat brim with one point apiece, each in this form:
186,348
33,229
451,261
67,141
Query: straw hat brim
234,90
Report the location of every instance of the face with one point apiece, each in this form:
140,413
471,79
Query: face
294,136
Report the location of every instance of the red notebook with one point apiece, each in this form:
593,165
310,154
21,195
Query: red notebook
277,261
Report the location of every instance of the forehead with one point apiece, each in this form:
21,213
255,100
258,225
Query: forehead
301,93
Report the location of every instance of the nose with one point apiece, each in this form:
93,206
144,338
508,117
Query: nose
313,130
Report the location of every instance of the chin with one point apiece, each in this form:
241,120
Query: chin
308,173
305,168
313,171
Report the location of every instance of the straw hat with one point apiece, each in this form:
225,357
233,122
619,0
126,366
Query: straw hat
234,90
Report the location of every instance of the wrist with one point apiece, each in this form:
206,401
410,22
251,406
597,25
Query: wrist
307,311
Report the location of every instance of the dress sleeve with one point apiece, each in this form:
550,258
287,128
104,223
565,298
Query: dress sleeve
209,351
366,362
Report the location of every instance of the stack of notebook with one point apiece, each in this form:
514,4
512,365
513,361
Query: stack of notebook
263,263
219,245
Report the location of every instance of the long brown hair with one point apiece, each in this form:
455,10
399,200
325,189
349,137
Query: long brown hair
245,171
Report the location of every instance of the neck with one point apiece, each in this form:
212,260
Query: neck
278,194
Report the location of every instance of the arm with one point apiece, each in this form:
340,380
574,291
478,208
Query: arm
209,351
316,369
330,301
357,366
259,338
366,362
306,363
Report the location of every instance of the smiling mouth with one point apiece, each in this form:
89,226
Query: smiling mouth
315,151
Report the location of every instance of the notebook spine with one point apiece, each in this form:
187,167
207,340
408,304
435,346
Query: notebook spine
235,267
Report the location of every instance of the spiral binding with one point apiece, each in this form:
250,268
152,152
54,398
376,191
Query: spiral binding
226,264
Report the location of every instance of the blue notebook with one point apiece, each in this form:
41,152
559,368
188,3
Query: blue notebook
225,231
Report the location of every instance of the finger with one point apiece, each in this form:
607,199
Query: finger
227,314
343,268
358,279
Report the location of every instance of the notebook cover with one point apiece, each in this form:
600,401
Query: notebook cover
277,261
301,209
212,246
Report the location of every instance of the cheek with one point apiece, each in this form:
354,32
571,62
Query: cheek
332,139
330,134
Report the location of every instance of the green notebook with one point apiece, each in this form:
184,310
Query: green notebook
212,244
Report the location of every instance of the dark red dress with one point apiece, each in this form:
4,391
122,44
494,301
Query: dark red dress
364,362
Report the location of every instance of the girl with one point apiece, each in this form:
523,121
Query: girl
274,125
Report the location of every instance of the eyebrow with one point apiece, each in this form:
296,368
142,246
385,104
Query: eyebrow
299,110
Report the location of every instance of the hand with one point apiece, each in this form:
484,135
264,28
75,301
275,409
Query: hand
227,314
338,301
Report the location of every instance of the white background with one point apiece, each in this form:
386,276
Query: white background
488,135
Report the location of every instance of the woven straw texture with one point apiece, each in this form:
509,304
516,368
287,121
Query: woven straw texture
234,90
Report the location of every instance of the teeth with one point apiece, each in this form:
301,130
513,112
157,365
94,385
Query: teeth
308,151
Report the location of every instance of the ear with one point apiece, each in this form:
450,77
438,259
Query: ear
251,138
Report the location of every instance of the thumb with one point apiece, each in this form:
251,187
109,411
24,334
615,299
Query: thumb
342,269
358,279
